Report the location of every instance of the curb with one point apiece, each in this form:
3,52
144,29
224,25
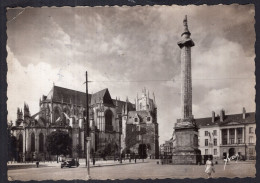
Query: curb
115,164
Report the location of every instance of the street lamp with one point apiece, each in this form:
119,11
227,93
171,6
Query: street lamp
86,131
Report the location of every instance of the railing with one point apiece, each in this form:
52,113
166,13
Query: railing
237,143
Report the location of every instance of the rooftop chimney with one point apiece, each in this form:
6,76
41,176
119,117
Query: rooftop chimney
244,113
222,115
213,117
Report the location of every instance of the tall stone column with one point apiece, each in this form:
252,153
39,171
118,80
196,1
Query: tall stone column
243,135
235,136
228,140
220,137
186,131
186,83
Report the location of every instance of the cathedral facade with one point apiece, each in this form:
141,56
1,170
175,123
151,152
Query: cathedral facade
65,109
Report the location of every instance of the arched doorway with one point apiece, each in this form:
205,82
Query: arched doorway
108,120
231,152
142,151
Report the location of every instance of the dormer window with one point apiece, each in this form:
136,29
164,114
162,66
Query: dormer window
136,119
148,118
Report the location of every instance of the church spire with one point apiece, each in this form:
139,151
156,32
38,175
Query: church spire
116,102
126,105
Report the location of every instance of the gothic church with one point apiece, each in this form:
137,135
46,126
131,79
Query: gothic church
112,121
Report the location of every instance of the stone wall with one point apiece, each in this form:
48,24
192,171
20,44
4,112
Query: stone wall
184,159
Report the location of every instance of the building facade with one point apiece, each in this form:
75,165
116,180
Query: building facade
140,127
65,109
228,135
223,136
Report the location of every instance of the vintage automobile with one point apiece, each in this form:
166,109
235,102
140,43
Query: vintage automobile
69,162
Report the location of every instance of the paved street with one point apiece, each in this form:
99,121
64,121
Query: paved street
147,170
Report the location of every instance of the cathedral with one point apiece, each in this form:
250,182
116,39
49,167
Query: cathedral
123,126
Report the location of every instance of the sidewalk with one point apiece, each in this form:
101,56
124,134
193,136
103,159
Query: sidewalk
81,162
114,163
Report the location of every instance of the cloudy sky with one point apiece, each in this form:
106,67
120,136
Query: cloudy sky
127,48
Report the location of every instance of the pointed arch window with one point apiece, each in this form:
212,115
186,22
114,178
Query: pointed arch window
20,143
32,142
56,114
41,142
108,120
65,116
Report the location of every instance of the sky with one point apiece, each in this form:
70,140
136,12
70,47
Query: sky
126,49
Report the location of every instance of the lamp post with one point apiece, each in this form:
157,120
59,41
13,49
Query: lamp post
86,131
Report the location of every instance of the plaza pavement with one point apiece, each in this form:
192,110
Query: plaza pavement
148,170
12,166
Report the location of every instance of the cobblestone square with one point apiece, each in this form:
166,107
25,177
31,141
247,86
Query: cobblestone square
147,170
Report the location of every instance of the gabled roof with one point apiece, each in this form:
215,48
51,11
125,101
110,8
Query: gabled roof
141,114
102,96
233,119
98,96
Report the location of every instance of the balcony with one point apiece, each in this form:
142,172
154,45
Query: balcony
231,144
239,141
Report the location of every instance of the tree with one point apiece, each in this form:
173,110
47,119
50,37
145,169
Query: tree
12,144
108,150
58,143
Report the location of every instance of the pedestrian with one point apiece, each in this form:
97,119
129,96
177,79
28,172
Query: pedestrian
37,164
209,167
94,161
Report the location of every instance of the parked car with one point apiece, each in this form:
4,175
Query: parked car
69,162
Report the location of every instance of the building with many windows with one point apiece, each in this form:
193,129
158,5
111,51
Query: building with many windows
225,135
228,135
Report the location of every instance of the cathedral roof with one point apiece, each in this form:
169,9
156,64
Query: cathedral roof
121,104
59,94
233,119
65,95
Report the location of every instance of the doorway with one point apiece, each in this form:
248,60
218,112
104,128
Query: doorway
142,151
231,152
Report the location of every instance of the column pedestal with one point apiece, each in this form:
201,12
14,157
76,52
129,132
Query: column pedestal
186,151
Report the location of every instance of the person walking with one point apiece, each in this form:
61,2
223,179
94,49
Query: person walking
37,164
209,167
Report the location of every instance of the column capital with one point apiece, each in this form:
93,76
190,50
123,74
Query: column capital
186,42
